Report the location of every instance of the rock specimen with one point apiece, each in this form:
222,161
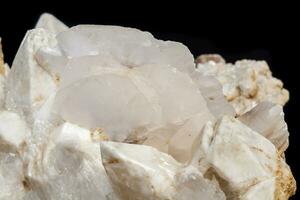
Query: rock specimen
245,83
177,130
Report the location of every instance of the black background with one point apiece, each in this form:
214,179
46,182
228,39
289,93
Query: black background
266,31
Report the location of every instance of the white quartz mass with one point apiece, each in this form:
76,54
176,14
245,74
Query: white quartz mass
112,113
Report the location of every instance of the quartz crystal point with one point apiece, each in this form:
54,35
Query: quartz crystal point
140,172
210,130
50,23
28,85
245,83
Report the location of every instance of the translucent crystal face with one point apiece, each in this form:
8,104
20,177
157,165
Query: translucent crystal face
72,89
120,79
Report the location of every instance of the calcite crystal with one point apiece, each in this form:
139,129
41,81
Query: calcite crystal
111,113
245,83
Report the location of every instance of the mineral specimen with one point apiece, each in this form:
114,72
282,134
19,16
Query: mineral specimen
111,113
245,83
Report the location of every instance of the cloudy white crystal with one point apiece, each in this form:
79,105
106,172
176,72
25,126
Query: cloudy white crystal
28,85
268,119
11,176
13,130
72,88
246,83
68,166
243,159
152,175
148,79
50,23
13,136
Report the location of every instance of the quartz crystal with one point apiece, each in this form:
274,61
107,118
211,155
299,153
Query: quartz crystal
50,23
112,113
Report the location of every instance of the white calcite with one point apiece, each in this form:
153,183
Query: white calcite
182,140
146,83
68,166
50,23
13,134
245,161
13,130
268,119
28,85
211,89
245,83
190,184
150,174
11,175
177,131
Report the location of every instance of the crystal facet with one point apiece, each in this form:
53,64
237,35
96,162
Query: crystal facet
111,113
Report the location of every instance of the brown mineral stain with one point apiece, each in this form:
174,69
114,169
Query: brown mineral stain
25,183
39,98
98,135
205,58
270,168
257,149
285,182
57,78
254,92
113,161
261,151
22,148
2,69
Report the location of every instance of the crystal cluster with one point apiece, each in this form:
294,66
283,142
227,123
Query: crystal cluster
111,113
245,83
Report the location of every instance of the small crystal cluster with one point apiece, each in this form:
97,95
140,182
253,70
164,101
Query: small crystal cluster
111,113
246,83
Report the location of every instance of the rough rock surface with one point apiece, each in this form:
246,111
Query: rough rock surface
245,83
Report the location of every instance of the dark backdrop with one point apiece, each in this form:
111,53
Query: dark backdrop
254,31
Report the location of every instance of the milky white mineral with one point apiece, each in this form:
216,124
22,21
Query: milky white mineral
268,119
245,83
111,113
243,160
151,174
68,166
50,23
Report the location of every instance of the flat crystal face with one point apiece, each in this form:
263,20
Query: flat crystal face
112,113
